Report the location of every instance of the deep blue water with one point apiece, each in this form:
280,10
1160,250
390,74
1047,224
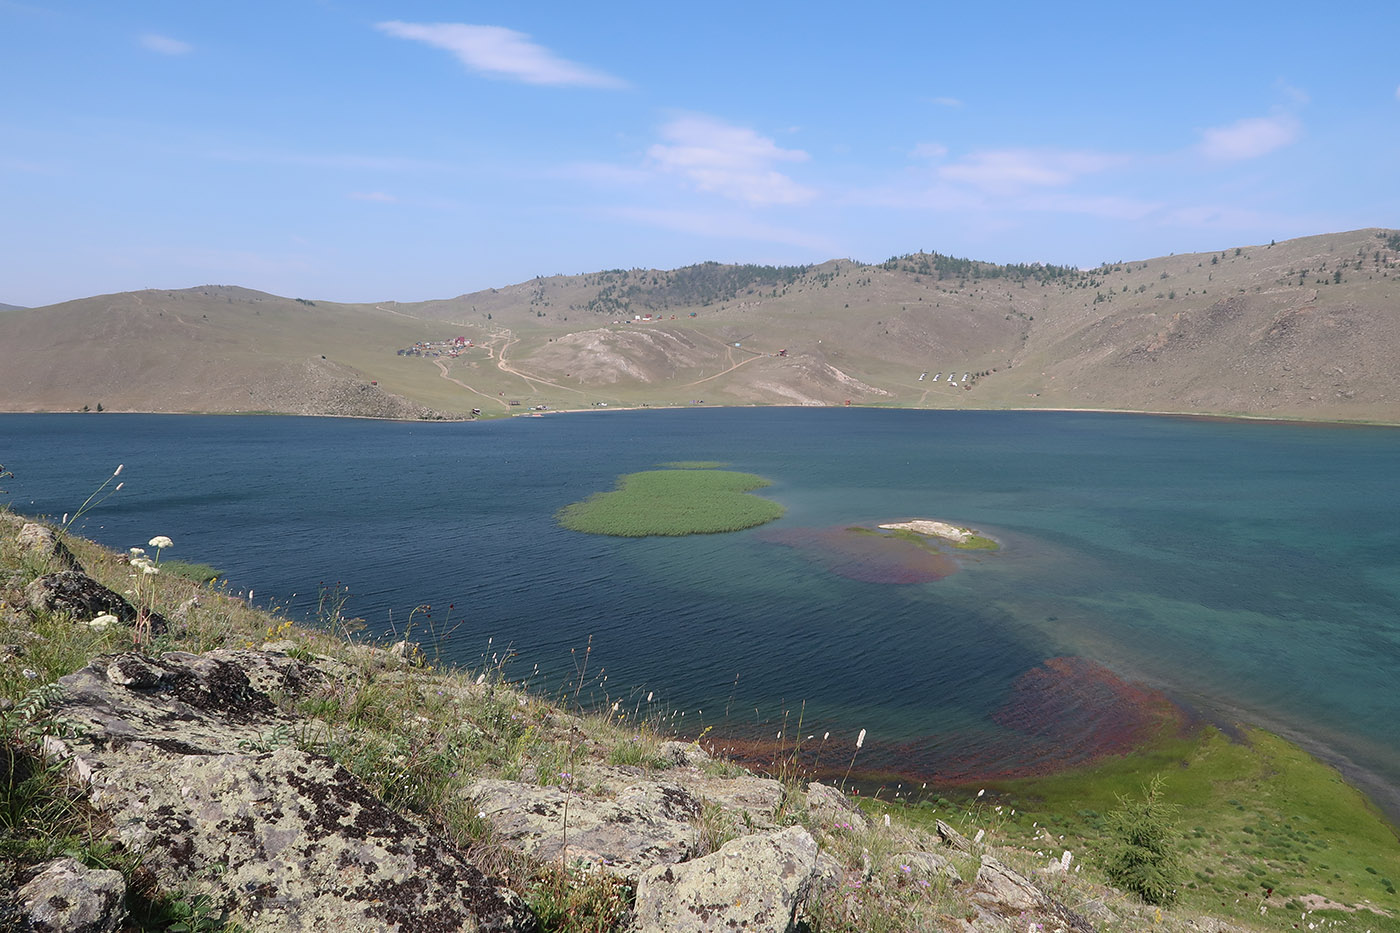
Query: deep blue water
1248,568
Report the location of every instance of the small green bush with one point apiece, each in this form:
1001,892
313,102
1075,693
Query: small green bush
1144,856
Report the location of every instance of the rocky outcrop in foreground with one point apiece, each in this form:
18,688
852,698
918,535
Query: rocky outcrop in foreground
185,755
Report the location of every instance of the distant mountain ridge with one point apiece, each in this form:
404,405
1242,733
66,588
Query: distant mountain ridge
1306,328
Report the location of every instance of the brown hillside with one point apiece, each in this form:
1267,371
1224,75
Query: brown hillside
1307,328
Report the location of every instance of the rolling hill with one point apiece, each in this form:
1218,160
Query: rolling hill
1306,328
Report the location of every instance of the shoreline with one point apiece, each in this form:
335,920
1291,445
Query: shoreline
1155,413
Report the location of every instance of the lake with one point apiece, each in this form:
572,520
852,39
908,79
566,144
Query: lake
1250,570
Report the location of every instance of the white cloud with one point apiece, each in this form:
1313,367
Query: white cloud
1007,171
929,151
165,45
1250,138
378,196
728,160
947,102
1397,92
502,53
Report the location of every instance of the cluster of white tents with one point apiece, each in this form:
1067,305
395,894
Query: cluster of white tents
952,377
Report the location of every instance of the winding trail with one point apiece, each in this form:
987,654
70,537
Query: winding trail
532,380
442,368
729,351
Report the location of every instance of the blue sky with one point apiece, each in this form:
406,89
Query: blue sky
358,150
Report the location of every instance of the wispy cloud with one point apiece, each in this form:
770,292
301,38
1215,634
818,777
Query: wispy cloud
1249,138
929,151
1296,94
1397,92
502,53
378,196
947,102
1219,216
732,161
165,45
1107,207
1008,171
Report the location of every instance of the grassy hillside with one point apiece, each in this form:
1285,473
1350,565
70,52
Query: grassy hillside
1305,328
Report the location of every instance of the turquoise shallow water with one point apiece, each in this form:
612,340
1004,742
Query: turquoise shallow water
1251,569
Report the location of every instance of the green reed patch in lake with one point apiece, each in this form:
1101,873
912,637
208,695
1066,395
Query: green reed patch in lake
673,502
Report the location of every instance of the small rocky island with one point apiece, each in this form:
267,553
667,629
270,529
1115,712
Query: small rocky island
959,536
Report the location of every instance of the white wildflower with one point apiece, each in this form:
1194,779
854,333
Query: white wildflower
981,834
160,541
649,694
1065,859
137,551
981,792
887,820
479,679
860,739
149,568
118,472
30,674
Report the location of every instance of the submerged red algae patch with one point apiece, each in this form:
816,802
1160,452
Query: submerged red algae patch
866,555
1065,713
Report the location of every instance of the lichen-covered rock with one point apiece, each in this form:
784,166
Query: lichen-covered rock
132,670
927,865
40,541
646,824
829,806
1002,887
68,897
684,754
80,596
951,837
753,883
196,769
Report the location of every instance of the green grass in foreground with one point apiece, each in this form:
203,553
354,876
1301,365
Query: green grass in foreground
673,502
1254,815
